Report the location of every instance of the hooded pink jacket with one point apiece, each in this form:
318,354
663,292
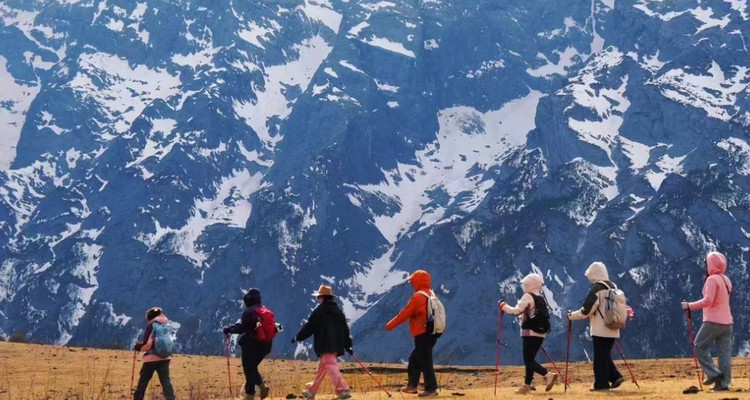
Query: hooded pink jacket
715,301
150,357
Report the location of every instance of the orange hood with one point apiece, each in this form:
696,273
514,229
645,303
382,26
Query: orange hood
420,280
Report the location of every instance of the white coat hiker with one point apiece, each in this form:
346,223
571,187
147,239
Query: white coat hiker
606,375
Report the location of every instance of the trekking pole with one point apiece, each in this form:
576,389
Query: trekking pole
132,374
499,333
632,375
229,369
692,346
565,379
567,354
369,373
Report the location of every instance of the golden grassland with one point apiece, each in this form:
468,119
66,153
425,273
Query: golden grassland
31,372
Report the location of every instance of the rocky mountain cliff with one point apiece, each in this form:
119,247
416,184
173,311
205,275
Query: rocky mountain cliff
177,153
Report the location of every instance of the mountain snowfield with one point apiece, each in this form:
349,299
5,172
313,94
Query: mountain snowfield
178,152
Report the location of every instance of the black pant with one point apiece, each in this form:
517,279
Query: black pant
605,371
420,362
147,372
253,352
531,345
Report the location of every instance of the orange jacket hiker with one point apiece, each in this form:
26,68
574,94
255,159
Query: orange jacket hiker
415,310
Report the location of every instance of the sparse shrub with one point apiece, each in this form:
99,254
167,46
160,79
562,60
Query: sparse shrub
19,337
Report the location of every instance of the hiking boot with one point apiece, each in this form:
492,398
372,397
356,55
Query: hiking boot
307,395
599,390
245,395
264,391
408,390
428,393
550,380
711,379
344,395
525,389
617,383
719,388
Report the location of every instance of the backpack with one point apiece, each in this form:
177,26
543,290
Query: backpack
539,322
615,308
435,323
164,338
266,329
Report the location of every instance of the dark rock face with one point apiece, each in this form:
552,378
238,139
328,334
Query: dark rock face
177,153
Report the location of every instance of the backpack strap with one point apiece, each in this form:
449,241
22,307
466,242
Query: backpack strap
426,303
608,288
425,294
607,285
729,292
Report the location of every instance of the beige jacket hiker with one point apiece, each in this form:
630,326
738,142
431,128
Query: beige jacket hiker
599,277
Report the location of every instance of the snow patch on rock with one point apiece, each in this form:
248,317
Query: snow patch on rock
469,143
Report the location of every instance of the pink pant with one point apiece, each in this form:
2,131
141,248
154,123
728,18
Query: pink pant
328,365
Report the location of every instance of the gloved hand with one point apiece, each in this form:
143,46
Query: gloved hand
502,306
350,351
226,331
685,305
138,346
569,314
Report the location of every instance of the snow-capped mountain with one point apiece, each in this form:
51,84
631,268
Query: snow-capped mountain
177,153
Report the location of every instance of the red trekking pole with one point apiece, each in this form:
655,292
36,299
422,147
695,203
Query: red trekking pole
692,346
351,353
132,374
567,354
229,369
499,333
565,378
632,376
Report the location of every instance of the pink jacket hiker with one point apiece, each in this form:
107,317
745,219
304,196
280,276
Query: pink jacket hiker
150,357
715,301
532,283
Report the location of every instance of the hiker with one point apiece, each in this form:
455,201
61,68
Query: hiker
717,324
254,350
331,338
153,362
420,360
533,331
606,375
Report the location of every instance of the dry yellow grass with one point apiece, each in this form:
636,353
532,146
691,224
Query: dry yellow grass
31,372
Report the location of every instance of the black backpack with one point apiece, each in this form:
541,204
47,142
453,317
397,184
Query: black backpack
539,322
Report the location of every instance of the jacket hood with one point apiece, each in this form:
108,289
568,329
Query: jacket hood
161,318
252,297
597,272
532,283
716,263
420,280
